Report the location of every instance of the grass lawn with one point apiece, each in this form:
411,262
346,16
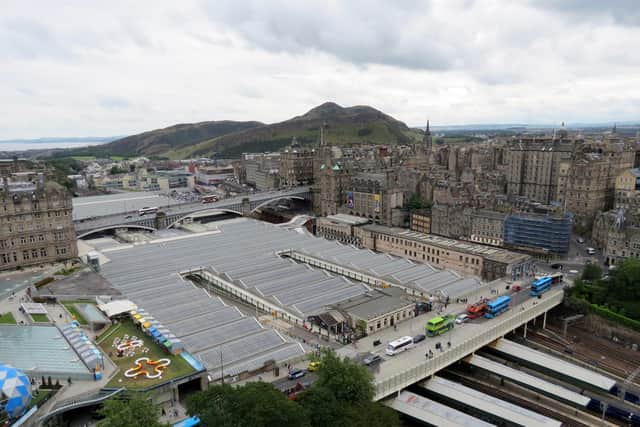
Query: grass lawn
7,319
177,368
40,317
71,308
83,158
40,397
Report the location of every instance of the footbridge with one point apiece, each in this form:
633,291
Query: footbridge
172,214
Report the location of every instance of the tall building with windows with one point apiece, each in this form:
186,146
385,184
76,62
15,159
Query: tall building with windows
36,223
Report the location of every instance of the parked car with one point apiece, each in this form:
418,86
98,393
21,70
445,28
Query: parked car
462,318
580,240
418,338
297,373
591,251
313,366
372,359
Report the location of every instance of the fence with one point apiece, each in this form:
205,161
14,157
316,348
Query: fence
500,327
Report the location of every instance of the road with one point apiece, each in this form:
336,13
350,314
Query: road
93,214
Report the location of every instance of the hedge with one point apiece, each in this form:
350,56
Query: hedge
40,283
616,317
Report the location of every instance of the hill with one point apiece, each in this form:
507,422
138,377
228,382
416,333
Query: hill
352,125
160,141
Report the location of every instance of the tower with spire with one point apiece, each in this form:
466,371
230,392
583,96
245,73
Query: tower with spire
427,141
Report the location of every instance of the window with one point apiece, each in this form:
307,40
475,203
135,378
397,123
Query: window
25,255
43,252
34,253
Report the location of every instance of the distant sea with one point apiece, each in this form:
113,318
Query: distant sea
44,145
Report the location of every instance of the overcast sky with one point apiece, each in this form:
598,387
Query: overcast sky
85,68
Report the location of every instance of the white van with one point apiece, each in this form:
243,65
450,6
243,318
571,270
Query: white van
591,251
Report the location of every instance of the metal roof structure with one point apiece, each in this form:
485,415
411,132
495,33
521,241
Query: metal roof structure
554,364
529,381
432,412
41,351
487,404
245,252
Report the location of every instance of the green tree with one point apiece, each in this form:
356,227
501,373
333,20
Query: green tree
372,414
416,202
348,381
115,170
254,404
134,411
592,272
323,408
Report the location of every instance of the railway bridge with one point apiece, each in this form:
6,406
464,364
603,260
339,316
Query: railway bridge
98,216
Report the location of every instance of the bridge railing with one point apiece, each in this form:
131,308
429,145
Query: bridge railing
507,322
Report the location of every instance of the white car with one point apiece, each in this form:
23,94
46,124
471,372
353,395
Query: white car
462,318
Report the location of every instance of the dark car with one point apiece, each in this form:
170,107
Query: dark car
418,338
297,373
372,359
556,266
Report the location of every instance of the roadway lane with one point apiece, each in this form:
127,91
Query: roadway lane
177,208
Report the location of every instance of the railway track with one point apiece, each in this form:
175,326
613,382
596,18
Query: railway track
618,365
489,389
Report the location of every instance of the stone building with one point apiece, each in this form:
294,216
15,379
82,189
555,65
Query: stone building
627,191
340,227
373,196
296,167
468,259
35,221
420,221
534,166
487,227
330,188
261,170
616,237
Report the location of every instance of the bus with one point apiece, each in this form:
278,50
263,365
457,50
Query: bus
399,345
440,324
497,306
209,198
542,285
147,210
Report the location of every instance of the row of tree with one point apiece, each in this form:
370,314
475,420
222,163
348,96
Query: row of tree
341,396
618,292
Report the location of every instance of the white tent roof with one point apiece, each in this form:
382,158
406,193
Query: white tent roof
114,308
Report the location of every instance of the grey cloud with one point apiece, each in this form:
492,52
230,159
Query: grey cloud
357,31
113,102
624,12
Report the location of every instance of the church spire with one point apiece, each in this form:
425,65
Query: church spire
427,139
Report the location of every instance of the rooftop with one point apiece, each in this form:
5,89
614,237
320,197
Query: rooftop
487,252
375,303
348,219
40,351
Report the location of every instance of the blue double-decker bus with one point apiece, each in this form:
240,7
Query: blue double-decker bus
497,306
543,284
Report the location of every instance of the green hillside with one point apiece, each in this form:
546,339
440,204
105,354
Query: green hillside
344,126
158,142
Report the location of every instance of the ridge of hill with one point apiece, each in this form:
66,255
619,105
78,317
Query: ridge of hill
343,125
